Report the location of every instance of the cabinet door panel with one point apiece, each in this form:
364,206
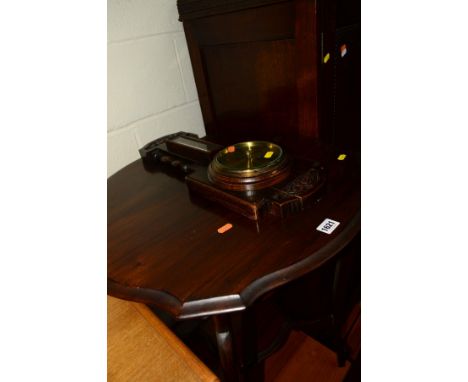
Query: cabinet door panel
253,87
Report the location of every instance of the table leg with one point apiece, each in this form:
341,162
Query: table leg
224,338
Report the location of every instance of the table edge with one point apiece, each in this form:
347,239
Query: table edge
236,302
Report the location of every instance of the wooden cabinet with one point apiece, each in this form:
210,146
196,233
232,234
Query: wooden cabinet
273,69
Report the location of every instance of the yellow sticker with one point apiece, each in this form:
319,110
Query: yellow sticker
342,157
326,58
268,154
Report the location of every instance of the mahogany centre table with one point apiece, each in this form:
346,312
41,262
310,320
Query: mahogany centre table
164,247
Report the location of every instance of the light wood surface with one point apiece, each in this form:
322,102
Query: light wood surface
303,359
141,348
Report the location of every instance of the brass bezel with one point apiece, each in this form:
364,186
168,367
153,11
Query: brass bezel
261,175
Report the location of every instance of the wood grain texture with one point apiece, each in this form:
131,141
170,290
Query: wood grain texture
307,44
272,53
141,348
265,51
189,9
260,75
164,248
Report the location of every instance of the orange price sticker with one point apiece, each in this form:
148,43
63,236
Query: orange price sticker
231,149
343,50
225,228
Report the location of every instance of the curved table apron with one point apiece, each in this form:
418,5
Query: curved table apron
164,247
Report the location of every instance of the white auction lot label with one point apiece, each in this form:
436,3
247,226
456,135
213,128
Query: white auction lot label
328,226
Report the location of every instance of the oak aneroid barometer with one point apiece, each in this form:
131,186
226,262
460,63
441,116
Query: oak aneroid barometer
252,178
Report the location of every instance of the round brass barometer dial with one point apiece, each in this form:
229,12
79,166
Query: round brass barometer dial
249,166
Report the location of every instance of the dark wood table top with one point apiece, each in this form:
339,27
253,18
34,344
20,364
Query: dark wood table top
164,247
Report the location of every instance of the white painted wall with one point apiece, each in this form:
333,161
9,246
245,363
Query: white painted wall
150,87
